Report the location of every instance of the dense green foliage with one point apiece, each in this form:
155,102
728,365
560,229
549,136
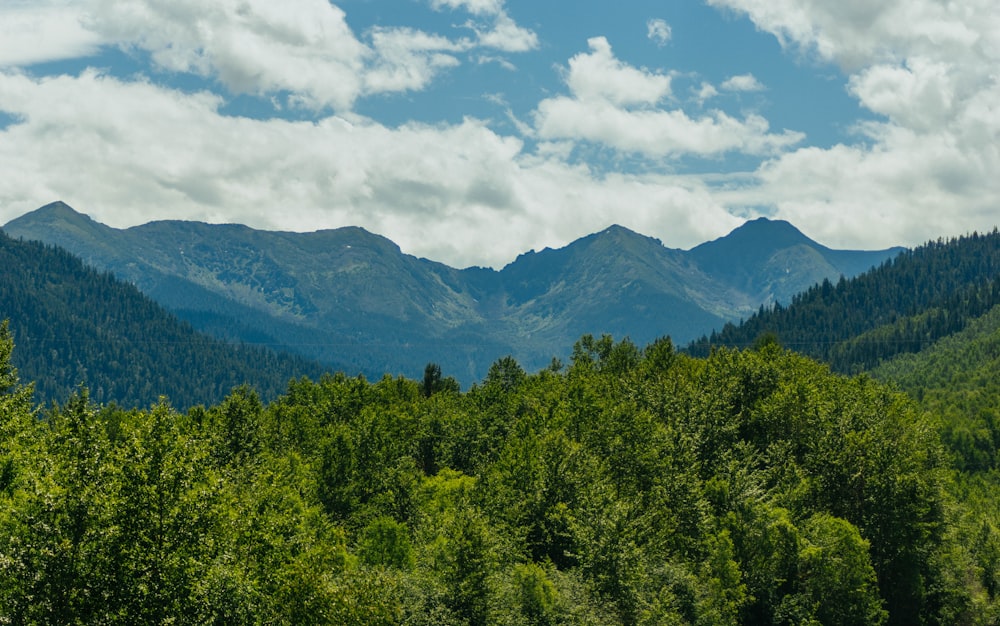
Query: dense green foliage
77,326
901,307
928,323
632,486
956,380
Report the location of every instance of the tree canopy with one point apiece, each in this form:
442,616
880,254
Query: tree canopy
630,486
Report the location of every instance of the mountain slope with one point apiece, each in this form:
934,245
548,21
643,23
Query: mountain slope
772,260
956,379
73,325
616,282
350,297
902,306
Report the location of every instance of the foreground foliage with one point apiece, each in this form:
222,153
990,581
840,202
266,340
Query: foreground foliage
632,486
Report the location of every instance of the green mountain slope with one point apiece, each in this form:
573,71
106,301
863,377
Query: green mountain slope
956,379
352,298
73,326
902,306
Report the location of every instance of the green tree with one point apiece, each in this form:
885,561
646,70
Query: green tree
166,514
237,426
836,574
386,543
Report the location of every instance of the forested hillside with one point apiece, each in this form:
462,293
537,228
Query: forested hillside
903,306
628,487
76,326
956,381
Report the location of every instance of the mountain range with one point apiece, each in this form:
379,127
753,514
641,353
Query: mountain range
352,299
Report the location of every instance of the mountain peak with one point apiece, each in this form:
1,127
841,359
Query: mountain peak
619,235
55,216
57,210
58,205
750,244
762,232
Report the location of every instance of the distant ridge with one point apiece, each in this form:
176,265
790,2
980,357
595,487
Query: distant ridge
350,297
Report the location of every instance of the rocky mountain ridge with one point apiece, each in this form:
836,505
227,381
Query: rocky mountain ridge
350,296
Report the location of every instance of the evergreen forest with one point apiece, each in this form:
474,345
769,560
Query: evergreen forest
903,306
628,486
75,325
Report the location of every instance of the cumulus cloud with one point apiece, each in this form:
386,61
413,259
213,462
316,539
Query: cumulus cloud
143,152
304,48
927,69
476,7
506,35
599,76
706,91
918,94
41,31
254,46
857,33
617,105
658,31
408,59
658,133
742,82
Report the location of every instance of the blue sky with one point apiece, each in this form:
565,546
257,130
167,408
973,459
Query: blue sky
469,131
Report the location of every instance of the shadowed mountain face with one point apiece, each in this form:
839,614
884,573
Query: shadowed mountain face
347,296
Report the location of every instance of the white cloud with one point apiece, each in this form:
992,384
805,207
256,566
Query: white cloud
857,33
128,152
911,188
658,31
658,133
302,47
928,68
600,76
251,46
505,35
408,59
616,105
707,91
499,31
919,94
41,31
742,82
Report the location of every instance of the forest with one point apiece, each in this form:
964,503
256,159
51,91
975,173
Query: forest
77,325
627,486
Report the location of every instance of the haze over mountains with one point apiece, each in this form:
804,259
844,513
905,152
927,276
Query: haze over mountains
351,299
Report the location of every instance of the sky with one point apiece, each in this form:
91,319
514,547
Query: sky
470,131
